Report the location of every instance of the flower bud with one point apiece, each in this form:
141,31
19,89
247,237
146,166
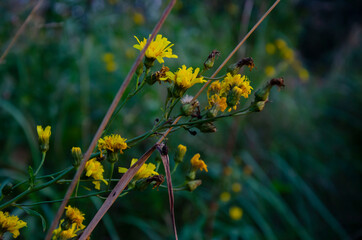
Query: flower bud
192,185
207,127
234,96
235,68
112,157
180,154
188,107
77,156
44,135
209,63
262,95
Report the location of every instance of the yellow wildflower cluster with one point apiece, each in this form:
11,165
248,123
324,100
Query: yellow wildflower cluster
227,93
197,163
95,170
158,49
113,143
10,224
147,170
71,226
43,135
108,59
288,55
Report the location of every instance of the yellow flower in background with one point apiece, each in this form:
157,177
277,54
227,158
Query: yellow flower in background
225,197
280,43
146,170
138,18
270,48
10,224
235,213
236,187
113,143
43,135
197,163
159,48
95,170
288,54
75,216
303,74
269,71
108,59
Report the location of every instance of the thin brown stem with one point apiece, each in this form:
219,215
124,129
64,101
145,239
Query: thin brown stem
20,30
106,118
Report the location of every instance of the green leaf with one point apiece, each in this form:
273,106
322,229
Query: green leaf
31,177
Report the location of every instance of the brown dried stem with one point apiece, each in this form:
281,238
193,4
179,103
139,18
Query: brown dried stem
126,178
20,30
106,118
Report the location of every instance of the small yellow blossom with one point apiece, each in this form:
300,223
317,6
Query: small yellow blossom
236,187
75,216
95,170
138,18
197,163
108,57
113,143
180,154
288,54
214,88
10,224
235,213
146,170
280,43
44,135
303,74
184,78
270,48
159,48
65,234
269,71
225,197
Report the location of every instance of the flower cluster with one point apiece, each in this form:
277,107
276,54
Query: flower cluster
10,224
71,226
146,170
112,145
227,93
95,170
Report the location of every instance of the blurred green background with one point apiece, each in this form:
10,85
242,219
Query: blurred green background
294,170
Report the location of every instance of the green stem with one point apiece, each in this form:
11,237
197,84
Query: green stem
216,78
77,187
174,168
34,189
41,163
110,176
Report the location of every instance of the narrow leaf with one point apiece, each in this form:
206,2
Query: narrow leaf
35,213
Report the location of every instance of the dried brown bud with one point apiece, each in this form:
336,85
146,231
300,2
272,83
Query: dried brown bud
209,63
235,68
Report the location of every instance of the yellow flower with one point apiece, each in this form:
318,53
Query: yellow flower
237,80
77,156
236,187
180,154
197,163
95,170
159,48
108,57
235,213
280,43
218,102
75,216
303,74
214,88
65,234
44,135
185,78
225,197
270,71
288,54
270,48
138,18
147,170
113,143
10,224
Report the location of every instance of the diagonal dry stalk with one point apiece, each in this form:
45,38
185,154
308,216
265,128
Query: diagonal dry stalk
106,118
21,30
127,177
